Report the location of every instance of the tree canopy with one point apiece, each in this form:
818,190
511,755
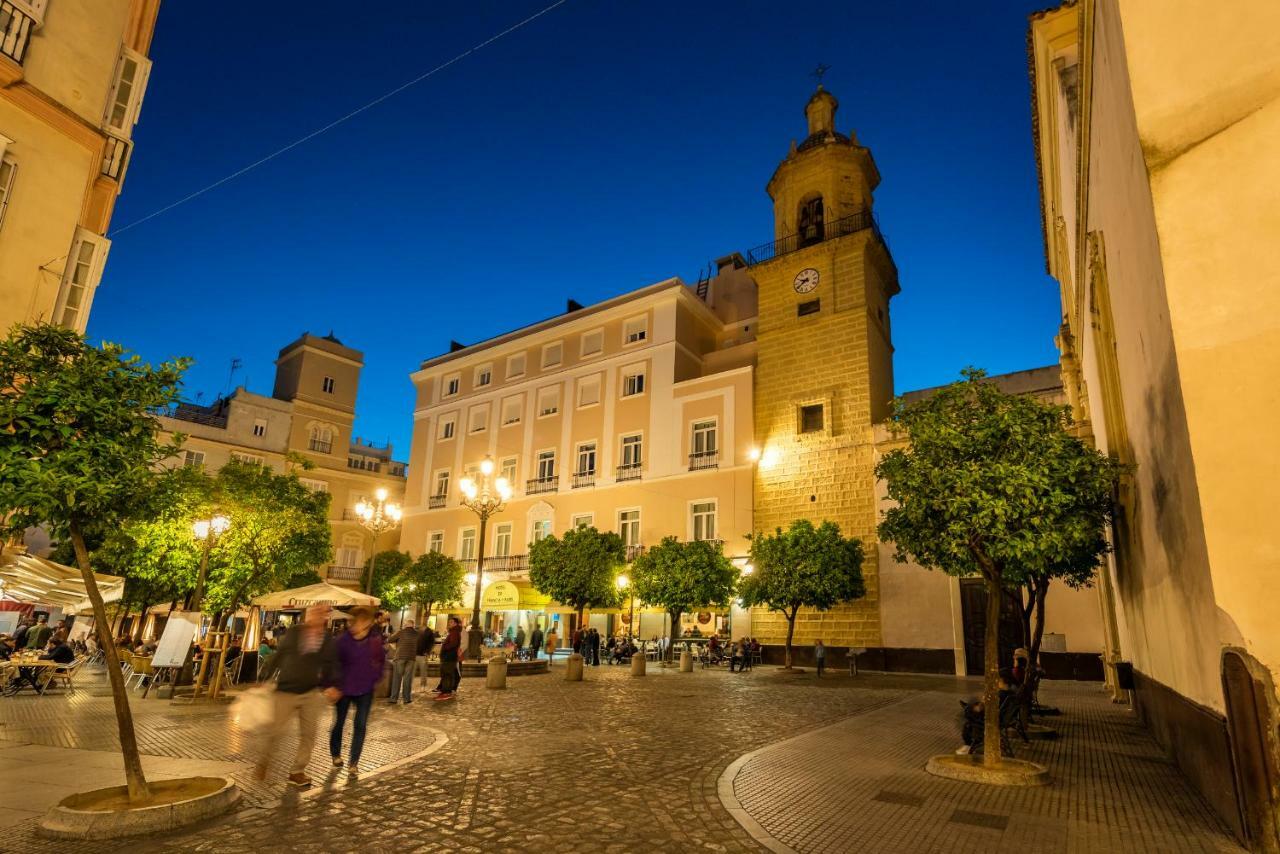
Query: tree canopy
993,483
579,568
804,566
433,579
683,577
387,567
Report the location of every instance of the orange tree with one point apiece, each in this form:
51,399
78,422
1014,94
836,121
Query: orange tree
79,445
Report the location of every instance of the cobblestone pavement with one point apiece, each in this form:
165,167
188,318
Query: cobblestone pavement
619,764
1113,790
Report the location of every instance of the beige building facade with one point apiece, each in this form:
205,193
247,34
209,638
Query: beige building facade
310,416
72,78
1156,131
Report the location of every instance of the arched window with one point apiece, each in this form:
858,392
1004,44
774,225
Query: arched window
812,229
321,439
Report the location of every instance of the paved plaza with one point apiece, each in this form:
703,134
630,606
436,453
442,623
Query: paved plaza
708,761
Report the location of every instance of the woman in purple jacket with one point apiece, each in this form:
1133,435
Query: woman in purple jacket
360,656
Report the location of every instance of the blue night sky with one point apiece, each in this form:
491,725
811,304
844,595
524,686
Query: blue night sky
603,147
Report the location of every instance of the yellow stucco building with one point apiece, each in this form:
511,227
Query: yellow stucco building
309,415
72,78
1156,129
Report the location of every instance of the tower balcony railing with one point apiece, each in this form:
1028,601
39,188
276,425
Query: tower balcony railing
17,22
320,446
860,221
704,460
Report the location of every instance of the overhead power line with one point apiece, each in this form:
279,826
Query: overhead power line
333,124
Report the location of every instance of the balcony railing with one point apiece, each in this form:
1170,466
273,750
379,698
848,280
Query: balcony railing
498,563
634,551
435,502
541,484
320,447
629,472
859,221
583,478
704,460
115,156
16,25
346,573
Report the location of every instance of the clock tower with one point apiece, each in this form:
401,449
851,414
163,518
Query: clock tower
824,372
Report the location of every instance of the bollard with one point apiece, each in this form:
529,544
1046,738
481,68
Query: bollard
686,662
573,668
496,673
637,665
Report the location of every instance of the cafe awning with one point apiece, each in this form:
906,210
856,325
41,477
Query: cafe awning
39,581
313,594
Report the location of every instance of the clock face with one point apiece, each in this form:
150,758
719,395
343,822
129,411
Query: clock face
806,280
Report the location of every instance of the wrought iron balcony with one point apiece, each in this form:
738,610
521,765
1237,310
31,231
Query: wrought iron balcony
584,478
629,472
115,156
855,222
542,484
634,551
320,447
497,563
435,502
346,573
704,460
16,25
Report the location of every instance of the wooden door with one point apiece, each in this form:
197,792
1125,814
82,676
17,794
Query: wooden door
1247,689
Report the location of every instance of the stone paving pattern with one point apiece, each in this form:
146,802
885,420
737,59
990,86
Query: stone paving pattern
622,764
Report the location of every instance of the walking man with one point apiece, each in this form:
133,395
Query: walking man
306,662
450,674
406,660
535,642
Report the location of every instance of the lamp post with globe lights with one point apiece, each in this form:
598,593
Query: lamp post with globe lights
483,496
377,519
207,531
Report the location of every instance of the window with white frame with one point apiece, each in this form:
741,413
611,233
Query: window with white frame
479,419
582,520
632,451
435,541
320,439
314,485
467,544
635,330
8,171
632,381
629,527
259,427
251,459
349,553
502,540
552,354
703,441
192,458
507,469
80,277
593,343
125,100
548,401
586,458
484,375
447,425
703,520
442,484
327,385
541,529
452,385
589,391
546,465
511,407
515,366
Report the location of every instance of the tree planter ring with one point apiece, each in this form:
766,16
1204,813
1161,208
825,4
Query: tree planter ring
970,769
176,803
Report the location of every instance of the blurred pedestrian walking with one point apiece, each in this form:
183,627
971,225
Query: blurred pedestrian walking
361,657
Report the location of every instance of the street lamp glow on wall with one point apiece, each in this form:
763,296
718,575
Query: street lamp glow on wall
483,496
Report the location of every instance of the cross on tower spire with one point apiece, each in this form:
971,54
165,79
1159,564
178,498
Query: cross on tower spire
819,72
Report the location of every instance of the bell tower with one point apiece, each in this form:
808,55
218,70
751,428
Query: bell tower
824,373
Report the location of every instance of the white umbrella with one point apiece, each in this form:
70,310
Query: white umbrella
313,594
27,578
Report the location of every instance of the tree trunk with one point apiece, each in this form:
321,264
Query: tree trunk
142,623
136,780
674,614
1041,591
991,689
791,632
1024,612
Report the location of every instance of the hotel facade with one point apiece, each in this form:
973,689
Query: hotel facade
750,399
72,78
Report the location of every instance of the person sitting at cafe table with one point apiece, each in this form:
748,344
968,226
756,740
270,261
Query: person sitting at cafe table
39,634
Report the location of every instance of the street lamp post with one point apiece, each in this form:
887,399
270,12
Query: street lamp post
624,583
377,519
208,531
484,498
